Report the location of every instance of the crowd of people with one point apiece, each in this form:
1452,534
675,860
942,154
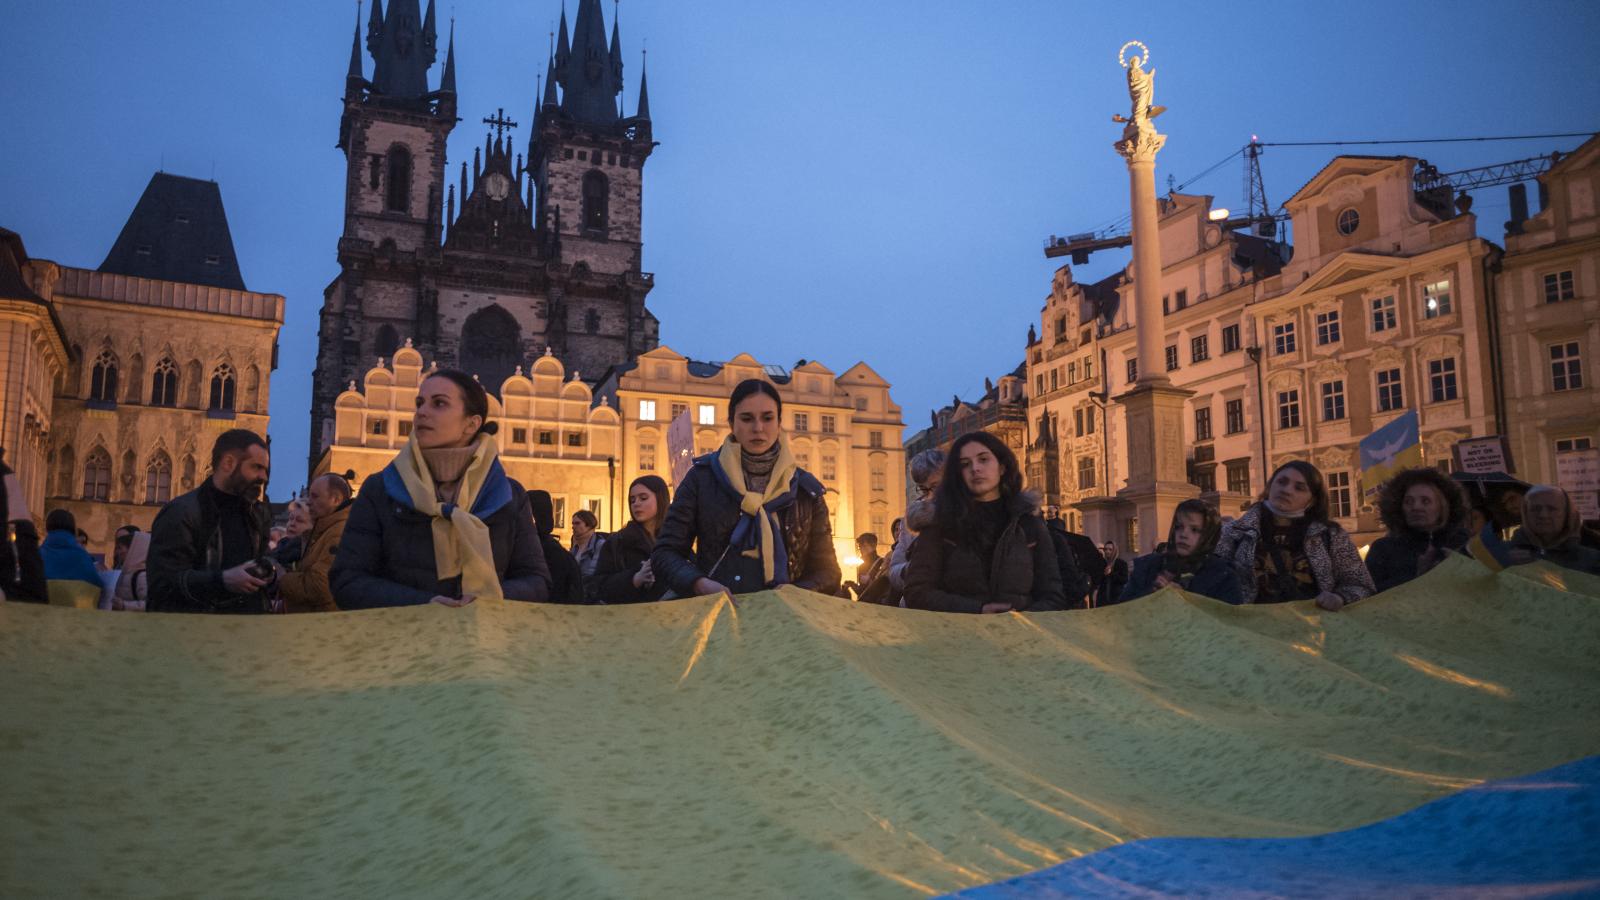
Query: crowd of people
443,524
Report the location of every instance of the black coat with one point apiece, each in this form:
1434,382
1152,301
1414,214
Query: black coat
1215,579
947,573
185,561
1072,550
1112,583
701,520
1393,559
566,582
385,557
620,558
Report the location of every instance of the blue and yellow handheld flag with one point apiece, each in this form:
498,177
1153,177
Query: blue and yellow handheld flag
1395,446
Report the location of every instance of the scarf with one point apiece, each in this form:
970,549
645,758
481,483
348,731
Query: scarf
460,538
758,467
756,534
448,465
1184,567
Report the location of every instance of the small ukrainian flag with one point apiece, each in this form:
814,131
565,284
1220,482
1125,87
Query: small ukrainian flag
1395,446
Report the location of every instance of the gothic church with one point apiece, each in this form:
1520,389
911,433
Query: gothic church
522,254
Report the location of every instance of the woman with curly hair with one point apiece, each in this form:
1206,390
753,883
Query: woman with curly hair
1426,514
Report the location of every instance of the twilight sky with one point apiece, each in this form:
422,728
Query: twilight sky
837,180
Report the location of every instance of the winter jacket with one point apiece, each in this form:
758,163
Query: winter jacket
1073,553
21,568
187,557
1335,562
700,522
306,589
1214,579
620,559
385,556
1111,583
70,574
566,580
1569,555
919,515
947,572
1396,558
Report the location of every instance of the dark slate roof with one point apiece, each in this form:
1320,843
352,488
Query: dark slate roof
13,286
178,232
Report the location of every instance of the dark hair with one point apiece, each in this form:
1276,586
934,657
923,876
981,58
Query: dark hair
1318,510
124,535
658,487
1392,498
750,386
474,399
867,537
897,524
1210,527
543,510
587,518
234,440
953,503
61,520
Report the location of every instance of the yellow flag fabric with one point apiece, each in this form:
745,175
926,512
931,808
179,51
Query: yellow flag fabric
789,745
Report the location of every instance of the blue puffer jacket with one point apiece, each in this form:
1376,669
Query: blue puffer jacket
1215,579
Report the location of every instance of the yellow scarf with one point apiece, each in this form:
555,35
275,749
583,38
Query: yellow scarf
461,541
731,458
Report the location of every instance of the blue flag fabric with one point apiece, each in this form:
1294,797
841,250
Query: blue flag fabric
1395,446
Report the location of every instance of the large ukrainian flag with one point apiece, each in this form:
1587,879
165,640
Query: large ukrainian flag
797,745
1395,446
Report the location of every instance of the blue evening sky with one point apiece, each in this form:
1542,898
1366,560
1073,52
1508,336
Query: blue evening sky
837,180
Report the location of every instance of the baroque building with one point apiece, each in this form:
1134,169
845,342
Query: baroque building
165,349
523,253
33,357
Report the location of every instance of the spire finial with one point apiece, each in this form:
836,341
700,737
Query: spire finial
355,48
447,83
644,88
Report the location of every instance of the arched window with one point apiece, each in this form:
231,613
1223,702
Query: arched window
591,321
222,385
164,383
97,475
158,479
398,196
491,346
596,194
103,380
387,342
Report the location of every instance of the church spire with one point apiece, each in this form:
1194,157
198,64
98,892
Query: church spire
590,81
562,45
616,42
354,77
406,47
447,84
375,28
550,84
644,89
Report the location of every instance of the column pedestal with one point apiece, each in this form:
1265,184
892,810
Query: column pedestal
1157,464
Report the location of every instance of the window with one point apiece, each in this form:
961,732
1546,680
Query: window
1180,300
875,439
1088,421
678,409
1077,423
1205,479
647,457
1436,299
380,426
519,435
1088,368
574,439
1172,357
405,429
1072,373
1567,445
1061,328
647,410
1085,472
1238,476
1202,423
1349,221
1442,379
222,384
802,422
1233,411
1327,328
1230,338
1390,395
1055,378
1333,400
596,194
1289,408
97,475
1039,379
103,380
1558,287
158,480
1566,367
375,170
880,476
861,404
1339,495
1283,338
708,414
829,424
164,384
1133,370
398,196
560,511
547,438
1383,316
1085,335
1199,348
830,467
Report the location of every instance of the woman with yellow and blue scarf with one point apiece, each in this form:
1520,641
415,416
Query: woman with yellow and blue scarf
747,517
442,523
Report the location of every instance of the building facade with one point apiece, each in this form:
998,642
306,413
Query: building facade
1548,294
33,358
1002,411
545,252
844,429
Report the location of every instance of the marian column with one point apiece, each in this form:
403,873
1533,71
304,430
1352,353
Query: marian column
1153,410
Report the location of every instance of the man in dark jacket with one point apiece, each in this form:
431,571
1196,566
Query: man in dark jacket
566,576
206,546
1426,515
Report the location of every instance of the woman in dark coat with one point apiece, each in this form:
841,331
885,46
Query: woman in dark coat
1552,531
566,578
1188,562
1285,547
747,517
1426,515
442,523
623,574
987,550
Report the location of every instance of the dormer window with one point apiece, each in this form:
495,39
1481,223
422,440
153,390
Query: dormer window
213,259
1349,220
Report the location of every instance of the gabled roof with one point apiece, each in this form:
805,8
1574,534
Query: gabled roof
1351,265
1343,164
177,232
1582,156
863,373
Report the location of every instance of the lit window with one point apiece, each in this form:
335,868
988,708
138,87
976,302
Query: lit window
1442,379
1390,395
1436,299
647,410
708,414
1566,367
1558,287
